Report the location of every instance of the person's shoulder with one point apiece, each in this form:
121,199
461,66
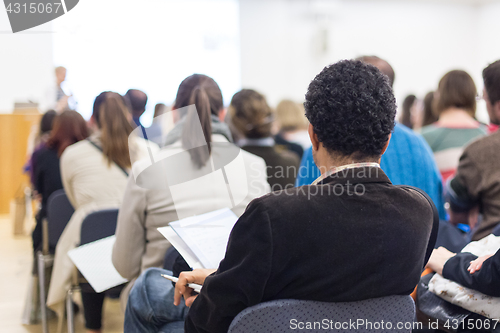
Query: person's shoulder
252,159
483,144
428,129
77,150
417,197
412,139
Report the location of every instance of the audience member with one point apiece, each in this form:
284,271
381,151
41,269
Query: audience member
429,116
481,274
139,245
69,128
253,117
300,243
455,105
405,118
137,100
94,175
40,141
407,161
477,181
292,124
155,131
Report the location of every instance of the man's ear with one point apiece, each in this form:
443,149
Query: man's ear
386,144
313,137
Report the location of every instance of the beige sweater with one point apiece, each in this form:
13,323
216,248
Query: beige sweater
139,245
91,184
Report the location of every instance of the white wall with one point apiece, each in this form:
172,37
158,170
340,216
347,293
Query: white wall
281,41
26,67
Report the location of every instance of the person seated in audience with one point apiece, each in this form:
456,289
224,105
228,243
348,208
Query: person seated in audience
139,245
292,125
137,100
253,118
94,175
429,116
69,128
407,161
406,115
476,184
478,273
155,131
39,141
455,105
300,243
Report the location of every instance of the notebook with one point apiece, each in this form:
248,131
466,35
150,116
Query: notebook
201,240
93,260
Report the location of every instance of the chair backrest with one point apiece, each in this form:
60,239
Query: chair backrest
169,259
59,212
496,231
97,225
294,315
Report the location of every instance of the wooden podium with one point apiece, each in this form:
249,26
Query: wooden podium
15,130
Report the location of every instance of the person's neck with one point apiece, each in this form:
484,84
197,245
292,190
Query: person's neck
330,164
456,117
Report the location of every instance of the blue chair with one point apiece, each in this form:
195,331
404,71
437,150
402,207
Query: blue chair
496,231
59,212
293,315
95,226
169,259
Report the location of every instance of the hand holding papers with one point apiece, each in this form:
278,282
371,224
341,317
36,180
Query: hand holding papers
202,239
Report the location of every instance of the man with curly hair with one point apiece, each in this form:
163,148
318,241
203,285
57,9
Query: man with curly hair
333,241
408,159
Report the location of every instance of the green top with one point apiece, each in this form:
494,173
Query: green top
441,138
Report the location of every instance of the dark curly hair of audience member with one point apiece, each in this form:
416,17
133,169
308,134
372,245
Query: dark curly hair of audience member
352,109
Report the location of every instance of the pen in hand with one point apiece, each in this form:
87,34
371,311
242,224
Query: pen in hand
194,286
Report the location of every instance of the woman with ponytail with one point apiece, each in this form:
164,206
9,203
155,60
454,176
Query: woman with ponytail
196,148
94,174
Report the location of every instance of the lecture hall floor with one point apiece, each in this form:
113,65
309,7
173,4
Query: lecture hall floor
15,263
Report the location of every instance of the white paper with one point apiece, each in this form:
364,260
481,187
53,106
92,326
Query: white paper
181,247
207,235
94,261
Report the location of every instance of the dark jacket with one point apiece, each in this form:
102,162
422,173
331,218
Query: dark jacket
320,242
486,280
477,182
47,180
282,166
281,142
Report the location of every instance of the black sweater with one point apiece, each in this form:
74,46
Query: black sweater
320,242
486,280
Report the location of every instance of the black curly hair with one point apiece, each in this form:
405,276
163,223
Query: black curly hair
351,107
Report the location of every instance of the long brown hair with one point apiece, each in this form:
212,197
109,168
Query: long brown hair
429,115
205,94
69,128
113,119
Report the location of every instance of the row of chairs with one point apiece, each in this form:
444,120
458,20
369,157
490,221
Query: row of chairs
271,316
95,226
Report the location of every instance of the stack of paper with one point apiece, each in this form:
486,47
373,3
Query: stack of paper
201,240
93,260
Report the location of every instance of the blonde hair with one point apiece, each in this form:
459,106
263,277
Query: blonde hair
291,116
